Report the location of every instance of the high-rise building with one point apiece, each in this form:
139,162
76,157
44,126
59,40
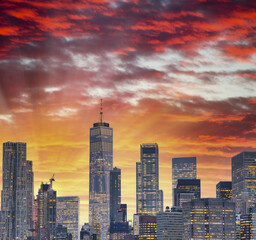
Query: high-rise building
209,218
248,225
118,230
144,226
101,163
115,193
224,190
183,168
68,214
244,181
186,190
47,212
122,213
17,192
87,232
149,199
169,225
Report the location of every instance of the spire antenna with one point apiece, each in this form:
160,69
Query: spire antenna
101,112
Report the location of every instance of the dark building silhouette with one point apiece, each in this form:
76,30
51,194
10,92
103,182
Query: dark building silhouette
118,230
122,213
224,190
115,193
187,190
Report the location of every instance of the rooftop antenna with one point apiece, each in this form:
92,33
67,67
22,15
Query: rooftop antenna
51,180
101,112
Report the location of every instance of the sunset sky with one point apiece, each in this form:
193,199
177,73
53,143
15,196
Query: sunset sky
181,73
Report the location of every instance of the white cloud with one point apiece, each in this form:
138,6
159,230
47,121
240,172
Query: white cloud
64,112
52,89
6,118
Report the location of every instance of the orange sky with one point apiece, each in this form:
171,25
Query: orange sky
178,73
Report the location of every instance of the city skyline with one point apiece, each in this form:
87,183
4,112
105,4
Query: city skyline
178,74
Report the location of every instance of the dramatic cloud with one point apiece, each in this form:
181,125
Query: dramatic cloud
180,73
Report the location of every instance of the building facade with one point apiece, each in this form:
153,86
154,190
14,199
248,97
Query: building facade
115,193
169,225
101,163
17,192
224,190
244,181
187,190
209,218
68,214
183,168
248,225
149,199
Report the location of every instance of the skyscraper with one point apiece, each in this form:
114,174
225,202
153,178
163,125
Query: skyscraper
209,218
248,225
187,190
17,192
244,181
183,168
144,226
101,163
149,199
224,190
115,193
68,214
47,211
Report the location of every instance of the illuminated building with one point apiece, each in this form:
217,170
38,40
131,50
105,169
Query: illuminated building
209,218
122,213
244,181
46,212
101,163
149,199
145,227
248,225
17,192
186,190
118,230
169,225
183,168
68,214
224,190
115,193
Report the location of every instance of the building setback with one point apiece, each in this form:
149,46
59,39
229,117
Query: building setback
169,225
101,163
244,181
17,192
149,199
68,214
183,168
224,190
115,193
209,218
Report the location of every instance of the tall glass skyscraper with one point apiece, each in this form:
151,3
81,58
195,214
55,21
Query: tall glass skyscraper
17,192
183,168
149,199
68,214
101,163
244,181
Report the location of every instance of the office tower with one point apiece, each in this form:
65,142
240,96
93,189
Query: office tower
248,225
62,233
118,230
186,190
144,226
101,163
17,192
68,214
149,199
224,190
122,213
209,218
183,168
115,193
244,181
35,218
87,232
169,225
47,211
